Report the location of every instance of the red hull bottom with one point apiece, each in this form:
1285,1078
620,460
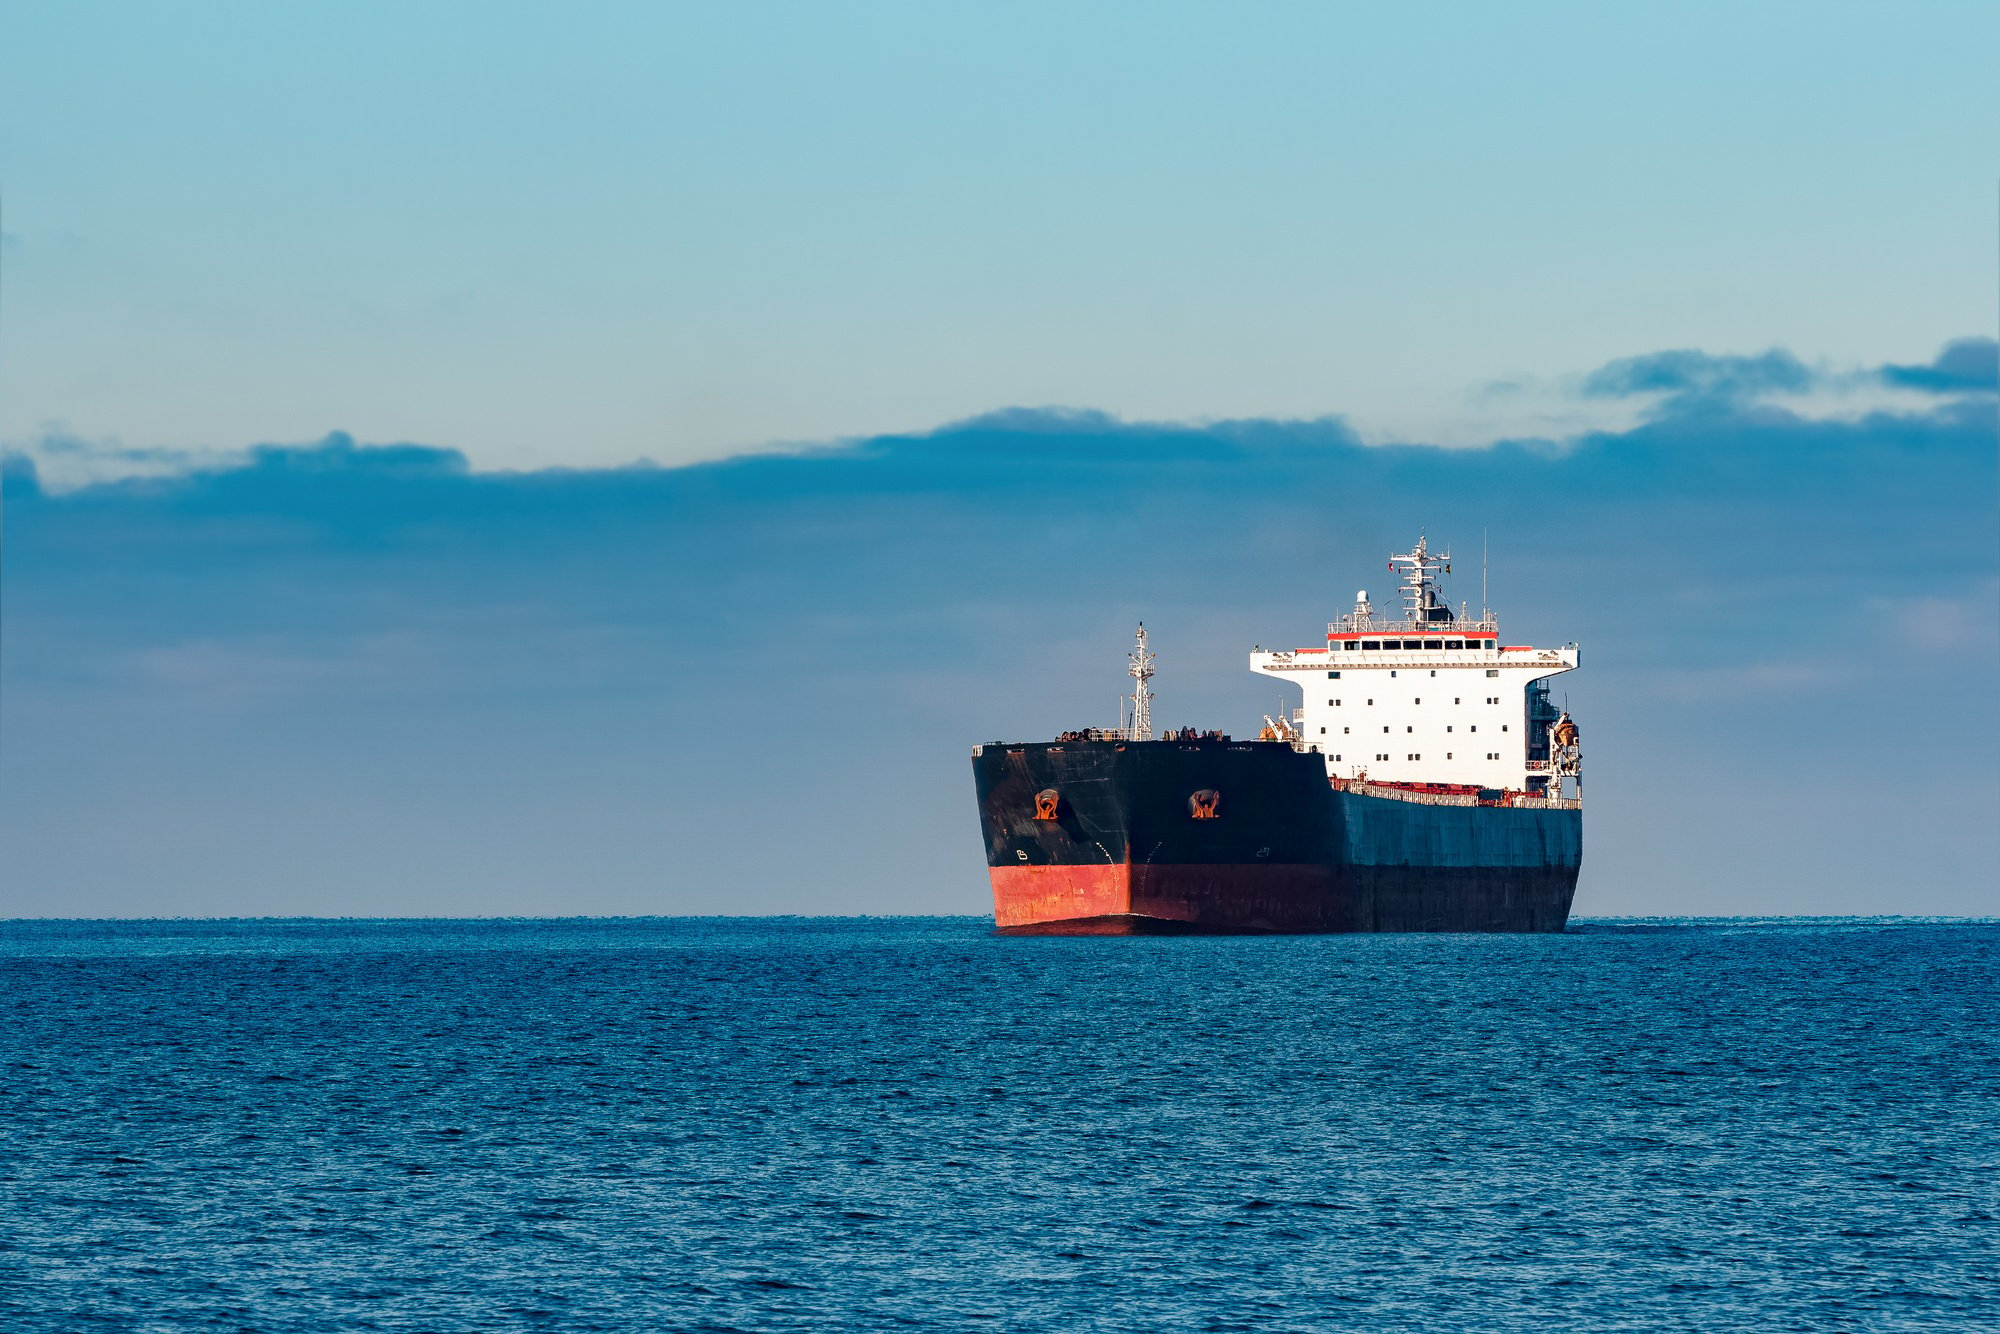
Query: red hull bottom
1160,900
1125,900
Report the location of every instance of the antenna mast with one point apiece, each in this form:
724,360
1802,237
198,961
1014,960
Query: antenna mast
1141,671
1420,570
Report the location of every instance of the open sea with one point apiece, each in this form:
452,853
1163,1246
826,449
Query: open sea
887,1124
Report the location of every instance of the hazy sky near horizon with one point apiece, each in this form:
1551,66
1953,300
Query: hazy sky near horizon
350,680
549,234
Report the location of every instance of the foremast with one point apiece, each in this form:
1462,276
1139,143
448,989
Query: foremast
1141,661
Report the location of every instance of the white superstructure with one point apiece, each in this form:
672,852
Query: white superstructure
1432,697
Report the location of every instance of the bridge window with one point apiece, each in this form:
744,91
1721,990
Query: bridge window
1433,643
1371,643
1454,643
1351,644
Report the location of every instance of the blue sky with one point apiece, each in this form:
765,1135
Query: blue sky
589,234
795,396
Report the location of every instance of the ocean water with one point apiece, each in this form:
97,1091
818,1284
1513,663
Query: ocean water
909,1124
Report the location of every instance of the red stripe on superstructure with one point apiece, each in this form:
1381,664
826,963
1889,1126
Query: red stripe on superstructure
1384,634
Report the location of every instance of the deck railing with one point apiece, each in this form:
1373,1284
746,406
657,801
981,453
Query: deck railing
1460,798
1350,625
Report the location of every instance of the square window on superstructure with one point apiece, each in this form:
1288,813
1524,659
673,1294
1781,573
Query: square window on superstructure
1493,671
1392,673
1503,727
1322,731
1345,730
1473,728
1447,727
1456,700
1331,676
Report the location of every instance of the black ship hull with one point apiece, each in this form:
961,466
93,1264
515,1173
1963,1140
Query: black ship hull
1102,837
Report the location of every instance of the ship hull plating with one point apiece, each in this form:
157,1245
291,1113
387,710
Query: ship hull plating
1161,837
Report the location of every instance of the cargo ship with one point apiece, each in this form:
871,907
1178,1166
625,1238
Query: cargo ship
1424,781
